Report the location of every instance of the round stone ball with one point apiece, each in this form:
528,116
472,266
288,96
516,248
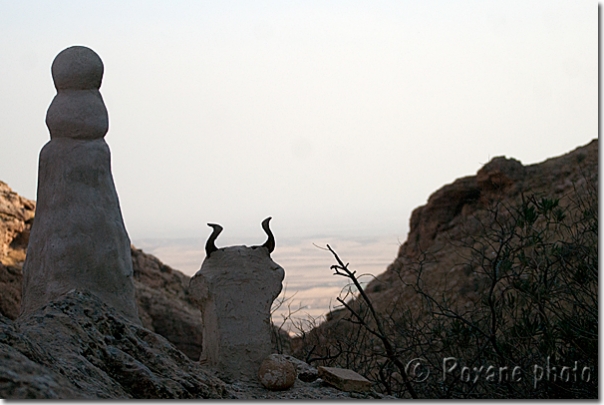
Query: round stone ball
77,68
277,373
77,115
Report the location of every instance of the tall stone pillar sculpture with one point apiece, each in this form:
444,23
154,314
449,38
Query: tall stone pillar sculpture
78,239
235,289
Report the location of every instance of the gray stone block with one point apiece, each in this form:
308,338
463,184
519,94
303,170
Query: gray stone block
344,379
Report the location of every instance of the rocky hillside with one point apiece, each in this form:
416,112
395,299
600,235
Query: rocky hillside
441,281
76,347
501,179
161,292
16,217
456,211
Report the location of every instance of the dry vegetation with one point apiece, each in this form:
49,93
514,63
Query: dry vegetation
514,316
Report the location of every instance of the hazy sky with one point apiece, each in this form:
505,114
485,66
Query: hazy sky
334,117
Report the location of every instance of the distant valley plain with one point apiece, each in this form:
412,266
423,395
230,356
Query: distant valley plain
309,282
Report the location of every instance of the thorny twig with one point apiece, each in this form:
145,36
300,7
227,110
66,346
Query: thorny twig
341,269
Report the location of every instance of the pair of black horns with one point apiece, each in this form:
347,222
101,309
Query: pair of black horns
216,229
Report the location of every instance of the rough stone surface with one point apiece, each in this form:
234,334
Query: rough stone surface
277,373
305,371
235,288
251,390
318,389
499,175
11,279
22,378
78,239
344,379
16,217
164,303
501,179
76,347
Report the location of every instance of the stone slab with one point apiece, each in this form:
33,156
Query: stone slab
344,379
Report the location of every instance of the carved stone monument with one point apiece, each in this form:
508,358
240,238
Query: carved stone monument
78,239
235,289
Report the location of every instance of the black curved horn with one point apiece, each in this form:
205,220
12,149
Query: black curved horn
270,242
210,246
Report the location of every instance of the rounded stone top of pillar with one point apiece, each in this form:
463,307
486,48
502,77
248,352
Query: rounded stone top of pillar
78,110
77,68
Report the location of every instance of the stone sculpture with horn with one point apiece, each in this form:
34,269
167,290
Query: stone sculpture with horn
235,289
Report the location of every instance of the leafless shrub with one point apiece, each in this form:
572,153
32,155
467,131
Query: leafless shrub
534,265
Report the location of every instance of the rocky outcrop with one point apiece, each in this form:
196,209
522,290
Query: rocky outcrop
501,179
164,303
77,347
16,217
451,213
11,279
437,216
